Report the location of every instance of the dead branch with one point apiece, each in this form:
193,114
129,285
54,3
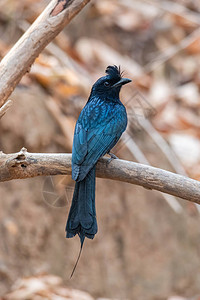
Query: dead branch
25,165
172,51
20,58
5,107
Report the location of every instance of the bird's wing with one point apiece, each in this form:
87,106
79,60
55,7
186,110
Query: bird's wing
79,149
89,145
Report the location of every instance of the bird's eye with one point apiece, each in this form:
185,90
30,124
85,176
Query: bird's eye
106,83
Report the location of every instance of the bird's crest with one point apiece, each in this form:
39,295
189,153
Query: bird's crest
114,71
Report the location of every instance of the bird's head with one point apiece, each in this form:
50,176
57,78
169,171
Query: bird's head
110,84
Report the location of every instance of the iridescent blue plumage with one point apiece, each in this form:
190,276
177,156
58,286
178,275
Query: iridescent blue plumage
99,126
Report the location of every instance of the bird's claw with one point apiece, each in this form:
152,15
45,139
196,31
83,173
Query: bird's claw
112,156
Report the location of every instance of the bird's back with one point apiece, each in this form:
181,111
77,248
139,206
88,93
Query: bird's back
99,127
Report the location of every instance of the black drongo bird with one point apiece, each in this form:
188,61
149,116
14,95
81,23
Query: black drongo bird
98,128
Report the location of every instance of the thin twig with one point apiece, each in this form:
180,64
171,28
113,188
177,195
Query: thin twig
172,51
163,145
5,107
140,157
176,9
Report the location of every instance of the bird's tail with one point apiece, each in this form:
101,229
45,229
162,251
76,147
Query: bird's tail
82,215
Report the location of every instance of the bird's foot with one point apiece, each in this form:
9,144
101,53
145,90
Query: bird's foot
112,156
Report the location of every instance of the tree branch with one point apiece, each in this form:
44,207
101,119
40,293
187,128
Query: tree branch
5,107
20,58
25,165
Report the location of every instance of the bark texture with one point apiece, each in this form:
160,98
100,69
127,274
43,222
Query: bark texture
20,58
25,165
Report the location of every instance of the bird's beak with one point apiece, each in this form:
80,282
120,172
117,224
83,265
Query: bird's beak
121,82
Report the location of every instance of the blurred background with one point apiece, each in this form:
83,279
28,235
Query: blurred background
148,244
